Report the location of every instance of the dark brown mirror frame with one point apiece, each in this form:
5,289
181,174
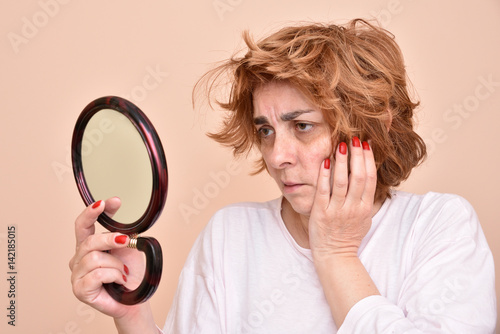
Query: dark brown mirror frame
148,245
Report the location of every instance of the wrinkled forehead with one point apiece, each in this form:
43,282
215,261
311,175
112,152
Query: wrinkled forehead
282,101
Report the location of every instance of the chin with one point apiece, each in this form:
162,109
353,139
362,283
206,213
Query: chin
300,205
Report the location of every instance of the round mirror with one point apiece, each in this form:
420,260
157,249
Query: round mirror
117,152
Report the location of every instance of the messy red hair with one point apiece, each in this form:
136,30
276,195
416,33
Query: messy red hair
354,74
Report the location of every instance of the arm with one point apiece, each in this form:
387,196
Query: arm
340,219
448,283
344,287
138,320
198,305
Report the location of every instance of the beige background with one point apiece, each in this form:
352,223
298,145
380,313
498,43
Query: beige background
58,55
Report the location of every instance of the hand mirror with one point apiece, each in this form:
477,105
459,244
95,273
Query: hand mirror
117,152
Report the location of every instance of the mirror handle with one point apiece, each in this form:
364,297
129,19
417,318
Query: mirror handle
154,264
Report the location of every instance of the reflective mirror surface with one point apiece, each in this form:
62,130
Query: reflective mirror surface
115,162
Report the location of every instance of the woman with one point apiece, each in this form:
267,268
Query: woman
341,251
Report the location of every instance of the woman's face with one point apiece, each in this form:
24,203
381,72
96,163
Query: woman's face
295,140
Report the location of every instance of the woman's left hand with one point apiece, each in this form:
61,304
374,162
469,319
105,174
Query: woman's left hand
341,215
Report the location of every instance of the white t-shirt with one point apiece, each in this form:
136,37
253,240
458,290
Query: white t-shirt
426,254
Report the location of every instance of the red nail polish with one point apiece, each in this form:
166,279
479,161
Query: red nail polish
366,146
96,204
343,148
327,163
355,142
121,239
125,268
124,278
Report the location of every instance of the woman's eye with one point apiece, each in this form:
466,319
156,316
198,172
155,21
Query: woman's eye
264,132
304,126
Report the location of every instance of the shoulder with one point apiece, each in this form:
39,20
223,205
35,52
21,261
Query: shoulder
430,201
449,215
248,210
235,228
239,219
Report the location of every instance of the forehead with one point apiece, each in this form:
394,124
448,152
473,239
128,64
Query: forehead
280,98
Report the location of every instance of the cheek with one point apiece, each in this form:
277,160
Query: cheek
315,154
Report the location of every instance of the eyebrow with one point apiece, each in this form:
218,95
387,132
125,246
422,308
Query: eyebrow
285,117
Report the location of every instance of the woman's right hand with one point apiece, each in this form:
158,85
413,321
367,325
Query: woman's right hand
92,266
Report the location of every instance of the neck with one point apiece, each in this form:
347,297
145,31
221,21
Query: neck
298,224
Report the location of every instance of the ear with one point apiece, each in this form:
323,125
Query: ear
388,121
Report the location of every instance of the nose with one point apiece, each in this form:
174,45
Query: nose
282,154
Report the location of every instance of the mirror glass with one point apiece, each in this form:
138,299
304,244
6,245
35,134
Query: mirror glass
116,162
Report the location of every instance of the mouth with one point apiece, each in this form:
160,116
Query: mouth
290,187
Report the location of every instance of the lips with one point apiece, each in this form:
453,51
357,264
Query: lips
289,184
290,187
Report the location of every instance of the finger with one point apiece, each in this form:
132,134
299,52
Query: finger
340,174
322,196
112,206
357,177
99,242
91,283
84,224
371,174
95,260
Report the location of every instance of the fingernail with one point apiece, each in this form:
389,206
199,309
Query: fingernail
96,204
121,239
327,163
343,148
366,146
355,142
125,268
124,278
